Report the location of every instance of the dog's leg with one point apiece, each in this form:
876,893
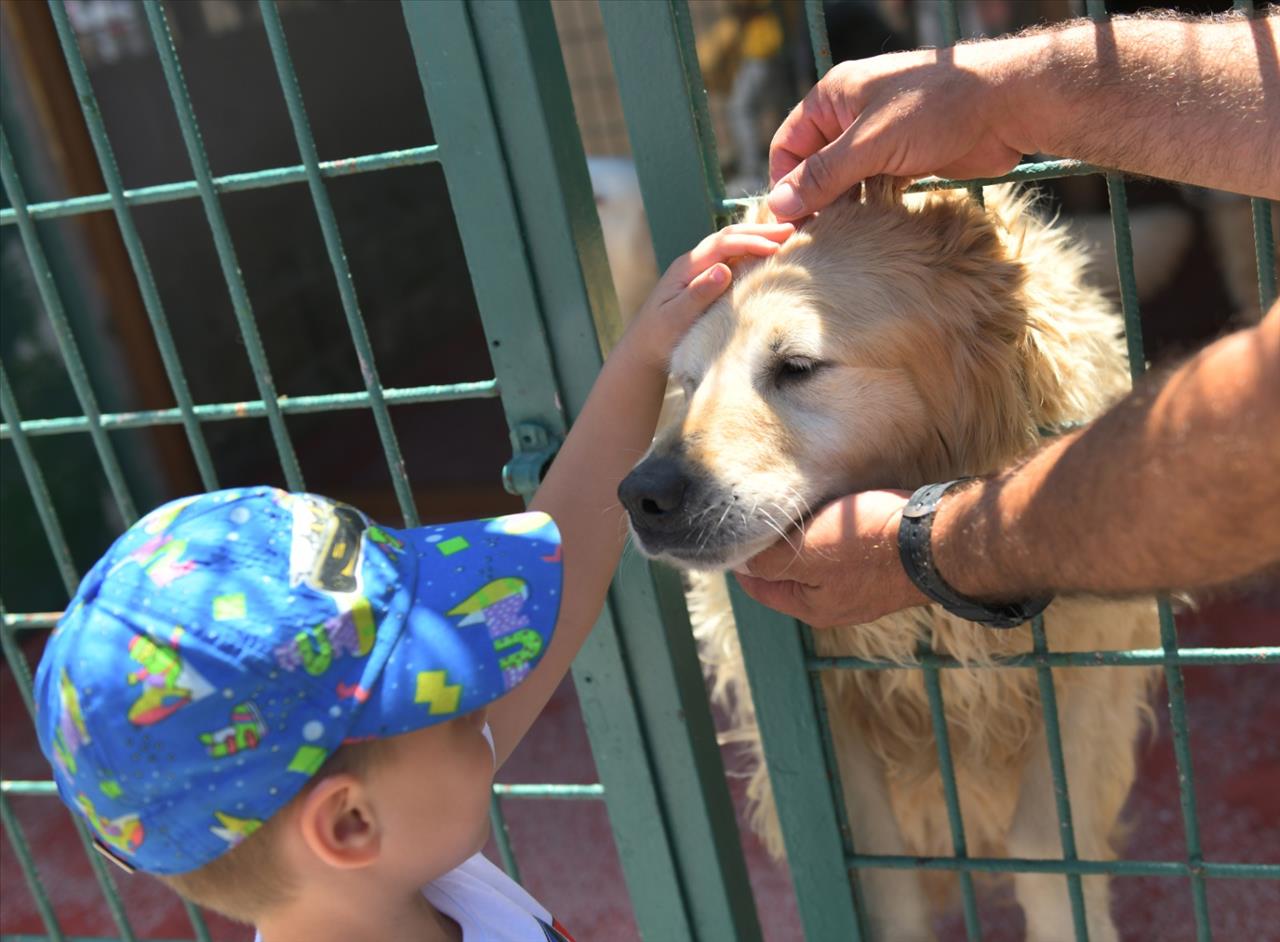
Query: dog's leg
1097,749
897,910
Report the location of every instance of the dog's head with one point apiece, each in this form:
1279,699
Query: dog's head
887,344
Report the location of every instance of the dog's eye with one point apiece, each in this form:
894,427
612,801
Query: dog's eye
795,369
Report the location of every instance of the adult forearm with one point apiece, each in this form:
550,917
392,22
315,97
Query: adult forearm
1178,487
1173,98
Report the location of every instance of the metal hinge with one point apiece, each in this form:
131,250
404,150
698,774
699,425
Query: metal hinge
534,448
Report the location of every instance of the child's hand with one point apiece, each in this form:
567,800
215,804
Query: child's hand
693,281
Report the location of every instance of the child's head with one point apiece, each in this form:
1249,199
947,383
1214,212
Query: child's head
252,688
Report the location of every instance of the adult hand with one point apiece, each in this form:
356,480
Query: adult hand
842,568
910,114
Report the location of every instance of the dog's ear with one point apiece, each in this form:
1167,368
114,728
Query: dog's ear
884,190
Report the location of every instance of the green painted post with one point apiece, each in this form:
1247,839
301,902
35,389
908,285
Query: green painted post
517,179
664,102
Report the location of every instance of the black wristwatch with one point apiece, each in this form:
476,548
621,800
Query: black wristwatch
917,559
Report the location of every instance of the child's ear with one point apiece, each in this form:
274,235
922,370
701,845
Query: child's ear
337,822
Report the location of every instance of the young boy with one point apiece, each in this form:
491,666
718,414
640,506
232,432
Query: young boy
293,716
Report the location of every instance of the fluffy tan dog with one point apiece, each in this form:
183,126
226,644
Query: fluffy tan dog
896,343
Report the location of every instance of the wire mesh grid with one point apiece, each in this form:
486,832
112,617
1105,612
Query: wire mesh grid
1169,656
190,416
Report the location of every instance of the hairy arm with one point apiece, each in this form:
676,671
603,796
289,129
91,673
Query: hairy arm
608,437
1177,487
1196,101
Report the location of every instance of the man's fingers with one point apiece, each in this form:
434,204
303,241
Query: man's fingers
809,127
823,176
785,596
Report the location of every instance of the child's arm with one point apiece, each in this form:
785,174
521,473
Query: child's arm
608,438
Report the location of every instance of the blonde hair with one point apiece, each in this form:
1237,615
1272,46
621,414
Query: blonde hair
250,878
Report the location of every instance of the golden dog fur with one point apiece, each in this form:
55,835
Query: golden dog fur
947,338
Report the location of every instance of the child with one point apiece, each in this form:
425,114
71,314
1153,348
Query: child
293,716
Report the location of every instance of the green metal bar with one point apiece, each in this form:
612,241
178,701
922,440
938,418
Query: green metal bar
1264,245
47,789
230,183
198,925
1141,657
478,168
22,850
647,43
27,621
17,662
57,315
1032,170
256,408
1097,10
836,789
699,107
519,50
790,715
133,243
38,489
1058,770
816,17
1115,868
338,258
524,790
222,240
950,794
502,837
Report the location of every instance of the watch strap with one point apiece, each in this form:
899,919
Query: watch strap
916,552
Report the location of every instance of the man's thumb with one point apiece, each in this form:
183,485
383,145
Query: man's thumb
818,180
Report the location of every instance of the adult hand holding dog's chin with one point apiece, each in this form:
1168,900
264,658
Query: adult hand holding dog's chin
841,569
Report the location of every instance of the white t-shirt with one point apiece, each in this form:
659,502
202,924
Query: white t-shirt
490,906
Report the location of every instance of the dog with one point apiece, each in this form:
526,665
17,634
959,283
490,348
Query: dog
892,342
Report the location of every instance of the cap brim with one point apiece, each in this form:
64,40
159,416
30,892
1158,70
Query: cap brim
485,599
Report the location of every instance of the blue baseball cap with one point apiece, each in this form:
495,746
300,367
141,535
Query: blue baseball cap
228,643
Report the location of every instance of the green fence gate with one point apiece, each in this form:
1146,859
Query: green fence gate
499,102
654,59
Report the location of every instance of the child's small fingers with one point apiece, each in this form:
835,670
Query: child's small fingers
702,290
727,242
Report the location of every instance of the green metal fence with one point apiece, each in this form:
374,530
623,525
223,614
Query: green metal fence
778,653
514,167
516,175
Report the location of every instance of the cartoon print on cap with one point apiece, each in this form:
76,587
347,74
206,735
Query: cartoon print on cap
71,733
245,731
315,649
124,833
168,684
500,606
234,830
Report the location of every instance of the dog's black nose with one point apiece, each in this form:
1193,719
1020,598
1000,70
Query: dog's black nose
654,489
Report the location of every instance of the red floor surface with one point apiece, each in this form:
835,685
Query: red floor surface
568,860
